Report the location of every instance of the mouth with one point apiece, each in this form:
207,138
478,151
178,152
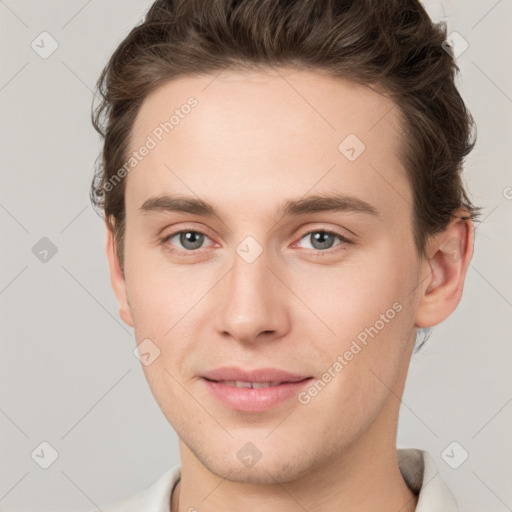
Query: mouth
254,385
234,374
254,396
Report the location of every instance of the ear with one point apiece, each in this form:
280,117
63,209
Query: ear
117,279
448,256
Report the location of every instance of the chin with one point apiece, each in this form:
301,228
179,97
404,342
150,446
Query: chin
259,474
273,468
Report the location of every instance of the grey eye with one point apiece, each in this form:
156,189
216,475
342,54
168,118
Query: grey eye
189,240
321,240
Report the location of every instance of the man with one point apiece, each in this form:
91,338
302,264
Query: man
284,211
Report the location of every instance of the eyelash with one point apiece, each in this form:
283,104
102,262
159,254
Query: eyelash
344,242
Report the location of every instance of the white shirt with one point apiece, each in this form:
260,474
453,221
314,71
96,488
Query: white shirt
417,468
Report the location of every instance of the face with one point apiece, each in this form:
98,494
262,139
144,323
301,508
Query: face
326,293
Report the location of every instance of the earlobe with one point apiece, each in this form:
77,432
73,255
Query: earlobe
448,256
117,278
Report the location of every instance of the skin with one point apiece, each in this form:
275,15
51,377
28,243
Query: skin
252,142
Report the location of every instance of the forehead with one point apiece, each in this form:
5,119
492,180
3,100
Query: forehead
252,137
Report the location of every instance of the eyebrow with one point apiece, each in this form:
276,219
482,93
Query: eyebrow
292,207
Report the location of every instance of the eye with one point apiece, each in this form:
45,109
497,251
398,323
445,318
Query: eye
189,239
321,239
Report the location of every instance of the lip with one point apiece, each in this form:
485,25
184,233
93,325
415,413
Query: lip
254,399
256,375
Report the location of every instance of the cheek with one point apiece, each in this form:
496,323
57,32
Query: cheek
155,291
351,296
369,311
362,362
168,394
162,300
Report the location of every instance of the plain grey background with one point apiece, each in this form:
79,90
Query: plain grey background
68,374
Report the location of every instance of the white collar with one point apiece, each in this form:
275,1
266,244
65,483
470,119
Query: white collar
421,476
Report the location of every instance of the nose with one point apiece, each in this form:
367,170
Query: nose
252,301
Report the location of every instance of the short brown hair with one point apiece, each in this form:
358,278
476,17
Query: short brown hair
392,45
